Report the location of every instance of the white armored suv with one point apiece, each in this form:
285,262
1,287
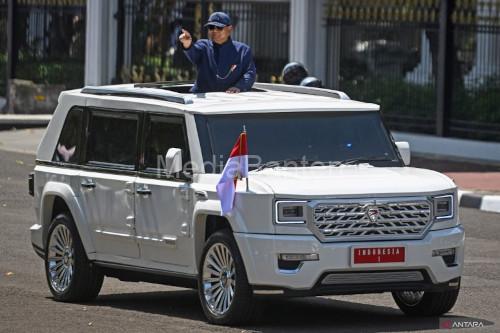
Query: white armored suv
125,187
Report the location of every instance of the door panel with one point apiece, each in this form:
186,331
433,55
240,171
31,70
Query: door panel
107,185
109,202
163,218
163,204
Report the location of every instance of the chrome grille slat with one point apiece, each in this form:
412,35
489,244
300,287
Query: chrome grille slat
340,221
404,220
375,228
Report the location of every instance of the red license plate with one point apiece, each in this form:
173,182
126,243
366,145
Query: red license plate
376,255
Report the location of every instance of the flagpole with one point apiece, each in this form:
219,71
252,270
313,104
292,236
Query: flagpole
246,179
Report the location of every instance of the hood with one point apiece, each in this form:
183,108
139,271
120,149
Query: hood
359,180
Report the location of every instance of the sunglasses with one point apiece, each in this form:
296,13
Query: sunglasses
212,27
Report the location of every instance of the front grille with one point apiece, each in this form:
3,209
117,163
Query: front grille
390,220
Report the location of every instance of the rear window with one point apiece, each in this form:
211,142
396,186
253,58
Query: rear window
112,139
68,146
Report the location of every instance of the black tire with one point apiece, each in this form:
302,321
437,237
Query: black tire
242,307
86,280
431,303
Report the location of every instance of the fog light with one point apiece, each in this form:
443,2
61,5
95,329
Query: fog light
292,262
448,256
299,256
443,252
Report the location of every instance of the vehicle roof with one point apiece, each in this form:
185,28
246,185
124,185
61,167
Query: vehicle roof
266,98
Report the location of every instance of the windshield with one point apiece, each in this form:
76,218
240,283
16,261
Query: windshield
323,137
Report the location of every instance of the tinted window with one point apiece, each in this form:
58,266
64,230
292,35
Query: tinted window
315,136
67,148
112,138
164,133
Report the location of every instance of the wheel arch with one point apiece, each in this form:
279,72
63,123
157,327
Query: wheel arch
205,224
58,198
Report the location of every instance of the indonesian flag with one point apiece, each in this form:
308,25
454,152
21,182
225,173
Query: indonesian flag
236,168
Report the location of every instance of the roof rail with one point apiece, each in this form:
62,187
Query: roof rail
163,84
154,93
302,90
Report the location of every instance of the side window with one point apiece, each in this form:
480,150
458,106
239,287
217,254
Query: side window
112,139
165,132
68,146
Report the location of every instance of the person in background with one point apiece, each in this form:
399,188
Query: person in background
222,63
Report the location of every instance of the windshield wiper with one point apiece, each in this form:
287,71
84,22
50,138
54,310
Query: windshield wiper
361,159
289,162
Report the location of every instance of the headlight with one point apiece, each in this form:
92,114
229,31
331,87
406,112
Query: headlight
443,207
291,212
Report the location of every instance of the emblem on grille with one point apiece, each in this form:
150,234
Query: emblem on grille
373,213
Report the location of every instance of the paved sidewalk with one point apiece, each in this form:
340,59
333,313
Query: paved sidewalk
479,183
21,141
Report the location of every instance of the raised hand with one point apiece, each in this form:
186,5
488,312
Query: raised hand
185,38
233,90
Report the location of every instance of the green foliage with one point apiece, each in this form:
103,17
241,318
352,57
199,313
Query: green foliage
401,98
481,104
68,72
394,96
413,107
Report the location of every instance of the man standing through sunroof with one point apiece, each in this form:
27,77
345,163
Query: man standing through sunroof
222,64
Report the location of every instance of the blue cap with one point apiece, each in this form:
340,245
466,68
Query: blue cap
219,19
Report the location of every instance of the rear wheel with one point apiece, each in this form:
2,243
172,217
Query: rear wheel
71,277
223,288
420,303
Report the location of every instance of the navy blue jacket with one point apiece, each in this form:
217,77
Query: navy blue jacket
214,72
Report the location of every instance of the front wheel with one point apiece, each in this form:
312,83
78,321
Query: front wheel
71,277
420,303
224,292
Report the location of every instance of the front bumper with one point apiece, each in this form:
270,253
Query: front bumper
260,254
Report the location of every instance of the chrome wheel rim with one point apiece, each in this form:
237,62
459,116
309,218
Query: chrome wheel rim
411,298
219,279
60,258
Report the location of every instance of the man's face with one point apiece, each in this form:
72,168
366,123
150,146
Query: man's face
219,36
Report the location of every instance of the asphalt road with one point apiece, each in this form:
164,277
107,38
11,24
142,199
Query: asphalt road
26,304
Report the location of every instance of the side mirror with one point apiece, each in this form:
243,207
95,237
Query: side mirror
173,161
404,151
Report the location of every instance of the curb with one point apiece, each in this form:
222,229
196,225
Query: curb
484,202
23,121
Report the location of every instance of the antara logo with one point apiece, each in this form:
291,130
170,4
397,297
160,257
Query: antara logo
373,213
446,323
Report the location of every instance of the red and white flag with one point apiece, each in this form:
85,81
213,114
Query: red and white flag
236,168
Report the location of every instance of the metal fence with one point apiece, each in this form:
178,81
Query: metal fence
3,47
49,41
475,111
389,52
148,48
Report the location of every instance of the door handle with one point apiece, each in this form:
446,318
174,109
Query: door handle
201,195
143,191
87,183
